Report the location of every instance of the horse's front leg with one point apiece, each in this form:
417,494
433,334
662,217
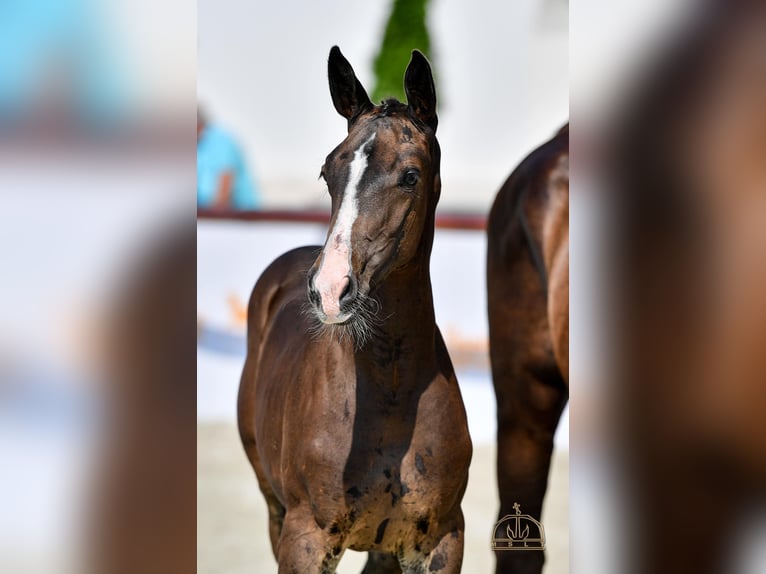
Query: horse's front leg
304,547
446,557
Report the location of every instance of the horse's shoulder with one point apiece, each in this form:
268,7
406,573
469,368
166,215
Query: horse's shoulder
280,282
291,266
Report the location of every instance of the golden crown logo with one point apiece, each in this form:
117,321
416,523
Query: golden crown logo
518,532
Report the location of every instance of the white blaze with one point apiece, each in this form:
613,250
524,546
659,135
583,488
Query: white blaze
332,277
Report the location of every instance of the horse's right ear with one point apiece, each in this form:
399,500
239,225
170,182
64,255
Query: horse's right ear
348,94
420,90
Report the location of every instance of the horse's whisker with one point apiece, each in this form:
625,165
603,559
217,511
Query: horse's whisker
362,326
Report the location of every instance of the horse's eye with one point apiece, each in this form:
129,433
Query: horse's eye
410,178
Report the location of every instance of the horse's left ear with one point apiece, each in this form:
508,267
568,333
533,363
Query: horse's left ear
420,90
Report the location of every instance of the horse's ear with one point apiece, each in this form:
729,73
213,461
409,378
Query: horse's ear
420,90
348,95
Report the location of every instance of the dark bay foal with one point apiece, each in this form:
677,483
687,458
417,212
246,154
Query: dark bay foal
349,409
528,299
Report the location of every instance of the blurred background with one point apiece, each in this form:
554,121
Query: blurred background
501,72
97,158
667,216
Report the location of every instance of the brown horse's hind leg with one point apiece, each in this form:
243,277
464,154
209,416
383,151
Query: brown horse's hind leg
246,422
381,563
528,413
531,395
275,508
276,515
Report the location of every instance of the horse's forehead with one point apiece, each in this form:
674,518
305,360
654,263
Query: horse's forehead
391,135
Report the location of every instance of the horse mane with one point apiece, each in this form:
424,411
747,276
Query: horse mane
393,107
390,107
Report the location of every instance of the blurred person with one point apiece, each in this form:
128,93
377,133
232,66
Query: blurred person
56,63
687,174
223,179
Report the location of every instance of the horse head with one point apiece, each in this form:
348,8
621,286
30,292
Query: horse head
384,183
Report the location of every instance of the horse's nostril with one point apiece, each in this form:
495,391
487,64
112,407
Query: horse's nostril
349,291
314,295
313,292
346,292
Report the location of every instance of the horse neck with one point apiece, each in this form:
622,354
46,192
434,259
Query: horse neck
406,301
408,330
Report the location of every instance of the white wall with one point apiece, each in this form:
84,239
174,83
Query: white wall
503,84
154,54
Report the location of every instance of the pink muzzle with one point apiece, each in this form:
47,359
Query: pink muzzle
332,280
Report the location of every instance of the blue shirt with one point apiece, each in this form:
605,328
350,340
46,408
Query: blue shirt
65,37
217,154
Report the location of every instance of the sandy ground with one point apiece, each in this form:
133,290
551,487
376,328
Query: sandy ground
231,514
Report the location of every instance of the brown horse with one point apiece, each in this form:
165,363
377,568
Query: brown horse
686,174
528,300
349,409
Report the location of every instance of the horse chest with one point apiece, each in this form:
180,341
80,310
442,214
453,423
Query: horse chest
384,497
375,449
378,466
